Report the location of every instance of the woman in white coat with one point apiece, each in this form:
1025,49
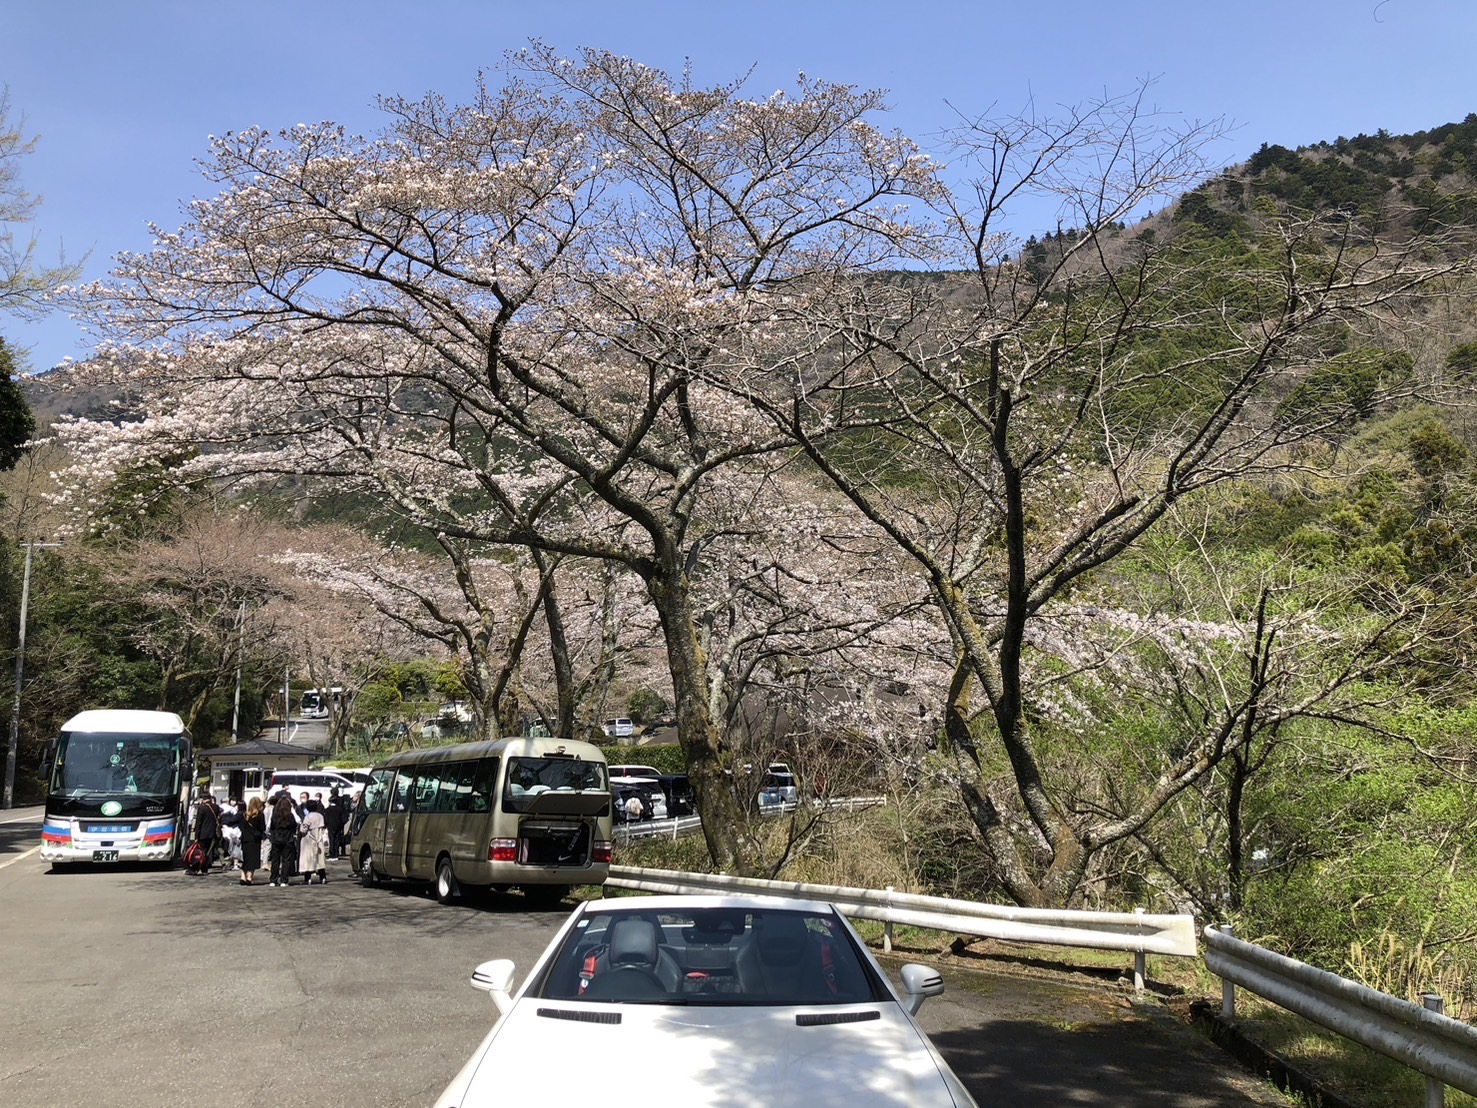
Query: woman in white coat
312,853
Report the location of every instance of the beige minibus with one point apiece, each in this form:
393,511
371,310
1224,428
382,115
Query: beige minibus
531,812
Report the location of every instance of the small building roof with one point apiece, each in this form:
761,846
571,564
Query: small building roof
259,747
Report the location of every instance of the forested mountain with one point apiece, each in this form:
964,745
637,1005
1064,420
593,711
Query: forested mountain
1398,184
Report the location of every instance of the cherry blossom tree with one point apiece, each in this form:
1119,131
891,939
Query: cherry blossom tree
501,617
502,321
195,586
606,317
337,635
1015,431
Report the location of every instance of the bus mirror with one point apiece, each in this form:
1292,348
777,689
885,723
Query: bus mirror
43,767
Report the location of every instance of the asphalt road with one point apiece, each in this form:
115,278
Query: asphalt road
126,986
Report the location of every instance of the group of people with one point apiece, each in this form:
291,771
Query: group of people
301,836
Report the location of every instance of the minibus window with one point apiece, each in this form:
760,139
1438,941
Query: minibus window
456,794
377,792
529,777
446,795
426,782
484,785
402,792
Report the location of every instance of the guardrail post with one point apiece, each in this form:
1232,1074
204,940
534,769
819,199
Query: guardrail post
1140,969
887,926
1228,990
1435,1088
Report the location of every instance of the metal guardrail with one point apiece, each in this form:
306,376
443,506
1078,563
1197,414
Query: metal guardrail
1137,932
684,825
1442,1048
830,804
1438,1046
850,803
657,828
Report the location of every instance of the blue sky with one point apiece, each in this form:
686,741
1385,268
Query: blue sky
124,94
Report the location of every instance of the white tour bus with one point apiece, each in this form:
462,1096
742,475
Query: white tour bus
531,812
119,784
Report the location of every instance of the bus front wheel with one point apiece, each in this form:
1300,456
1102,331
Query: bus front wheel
367,877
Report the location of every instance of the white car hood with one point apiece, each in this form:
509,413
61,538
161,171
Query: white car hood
694,1055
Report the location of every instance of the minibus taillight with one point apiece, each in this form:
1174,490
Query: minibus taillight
603,850
502,850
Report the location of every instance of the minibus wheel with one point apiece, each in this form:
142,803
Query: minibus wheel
446,888
367,877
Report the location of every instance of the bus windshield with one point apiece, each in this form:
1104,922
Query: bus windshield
129,764
529,777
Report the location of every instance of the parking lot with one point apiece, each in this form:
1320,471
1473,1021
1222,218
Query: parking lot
131,986
138,987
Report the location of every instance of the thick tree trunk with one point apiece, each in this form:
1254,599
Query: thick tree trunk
730,849
481,682
564,683
1235,798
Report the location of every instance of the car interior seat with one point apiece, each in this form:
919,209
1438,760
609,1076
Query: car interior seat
634,965
782,961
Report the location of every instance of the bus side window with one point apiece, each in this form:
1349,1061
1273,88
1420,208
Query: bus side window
484,785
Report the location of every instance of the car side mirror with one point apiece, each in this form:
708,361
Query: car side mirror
496,977
919,983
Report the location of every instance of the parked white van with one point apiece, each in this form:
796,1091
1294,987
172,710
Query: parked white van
313,781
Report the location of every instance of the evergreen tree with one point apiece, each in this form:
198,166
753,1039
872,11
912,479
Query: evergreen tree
16,422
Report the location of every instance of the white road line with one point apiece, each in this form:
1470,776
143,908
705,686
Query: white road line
20,857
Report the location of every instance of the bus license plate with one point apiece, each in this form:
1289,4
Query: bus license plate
104,855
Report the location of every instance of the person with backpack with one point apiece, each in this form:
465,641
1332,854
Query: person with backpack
207,833
282,822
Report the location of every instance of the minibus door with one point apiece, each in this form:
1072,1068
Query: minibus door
397,824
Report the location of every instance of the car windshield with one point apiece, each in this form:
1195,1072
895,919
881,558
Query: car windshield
710,956
123,763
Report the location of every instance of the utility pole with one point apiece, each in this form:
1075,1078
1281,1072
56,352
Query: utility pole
240,656
20,664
